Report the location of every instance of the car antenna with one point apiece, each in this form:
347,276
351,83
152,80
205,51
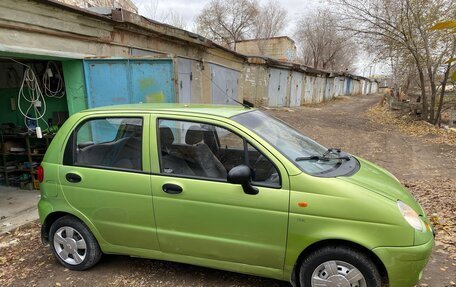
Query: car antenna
245,104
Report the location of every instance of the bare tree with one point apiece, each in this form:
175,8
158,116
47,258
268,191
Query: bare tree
270,21
175,19
404,26
152,11
227,21
322,45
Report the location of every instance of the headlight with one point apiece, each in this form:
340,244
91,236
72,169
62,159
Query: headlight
410,215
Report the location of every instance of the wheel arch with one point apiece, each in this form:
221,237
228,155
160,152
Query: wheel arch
52,217
338,242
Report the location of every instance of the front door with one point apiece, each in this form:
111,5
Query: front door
198,213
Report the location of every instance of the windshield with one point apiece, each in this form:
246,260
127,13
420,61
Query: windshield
289,142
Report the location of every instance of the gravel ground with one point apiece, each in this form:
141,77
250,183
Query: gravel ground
427,167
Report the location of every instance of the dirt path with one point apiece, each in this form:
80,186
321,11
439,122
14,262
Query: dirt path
342,123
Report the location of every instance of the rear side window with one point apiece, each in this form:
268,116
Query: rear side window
114,143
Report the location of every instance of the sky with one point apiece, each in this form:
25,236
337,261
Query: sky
189,10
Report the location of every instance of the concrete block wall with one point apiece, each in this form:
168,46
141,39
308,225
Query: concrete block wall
279,48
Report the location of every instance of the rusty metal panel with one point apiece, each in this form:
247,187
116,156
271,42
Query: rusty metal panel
277,87
224,85
123,81
296,89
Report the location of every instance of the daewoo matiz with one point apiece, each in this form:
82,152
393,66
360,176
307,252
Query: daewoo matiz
229,188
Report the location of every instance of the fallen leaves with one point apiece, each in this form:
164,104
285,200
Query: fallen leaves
410,126
20,254
437,196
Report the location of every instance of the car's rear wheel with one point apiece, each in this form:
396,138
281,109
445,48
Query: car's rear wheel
73,244
338,267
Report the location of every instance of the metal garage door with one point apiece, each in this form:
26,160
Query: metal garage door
347,92
277,88
123,81
296,89
224,85
185,80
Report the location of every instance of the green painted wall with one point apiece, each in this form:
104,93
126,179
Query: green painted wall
14,116
74,101
73,72
7,115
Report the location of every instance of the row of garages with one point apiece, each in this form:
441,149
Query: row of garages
122,81
124,58
274,85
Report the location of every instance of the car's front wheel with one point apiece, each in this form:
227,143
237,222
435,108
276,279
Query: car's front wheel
338,266
73,244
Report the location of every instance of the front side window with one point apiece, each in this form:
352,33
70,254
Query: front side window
308,155
202,150
108,142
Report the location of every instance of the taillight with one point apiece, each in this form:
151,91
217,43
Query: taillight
40,173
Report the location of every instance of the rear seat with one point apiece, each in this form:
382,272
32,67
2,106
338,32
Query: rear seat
123,153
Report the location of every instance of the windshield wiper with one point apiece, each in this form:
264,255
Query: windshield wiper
324,156
320,157
332,150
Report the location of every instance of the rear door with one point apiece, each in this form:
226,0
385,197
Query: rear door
198,213
105,176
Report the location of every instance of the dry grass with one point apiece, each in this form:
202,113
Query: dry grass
410,126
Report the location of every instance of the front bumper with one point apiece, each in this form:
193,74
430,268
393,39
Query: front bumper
404,264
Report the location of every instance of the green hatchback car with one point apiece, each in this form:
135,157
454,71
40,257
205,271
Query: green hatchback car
230,188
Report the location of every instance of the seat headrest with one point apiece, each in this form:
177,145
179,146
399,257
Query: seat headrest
166,136
133,131
194,135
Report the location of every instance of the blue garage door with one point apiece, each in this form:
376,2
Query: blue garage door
348,87
116,82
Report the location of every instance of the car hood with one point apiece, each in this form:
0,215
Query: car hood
382,182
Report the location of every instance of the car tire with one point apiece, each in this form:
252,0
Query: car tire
73,244
337,266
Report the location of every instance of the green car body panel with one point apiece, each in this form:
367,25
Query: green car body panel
217,224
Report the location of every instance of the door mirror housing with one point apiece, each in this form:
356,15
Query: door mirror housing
242,175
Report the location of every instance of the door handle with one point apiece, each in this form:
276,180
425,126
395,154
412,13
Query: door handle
72,177
172,188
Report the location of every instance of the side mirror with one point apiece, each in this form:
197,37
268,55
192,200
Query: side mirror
242,175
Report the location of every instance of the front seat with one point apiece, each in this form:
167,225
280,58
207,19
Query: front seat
202,156
171,162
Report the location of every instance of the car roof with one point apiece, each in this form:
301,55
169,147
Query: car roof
226,111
